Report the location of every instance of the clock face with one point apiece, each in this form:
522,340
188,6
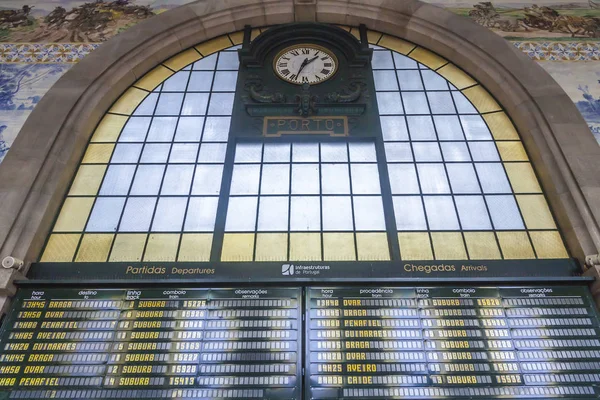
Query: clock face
305,63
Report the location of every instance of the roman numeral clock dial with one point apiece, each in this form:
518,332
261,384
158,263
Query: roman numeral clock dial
305,63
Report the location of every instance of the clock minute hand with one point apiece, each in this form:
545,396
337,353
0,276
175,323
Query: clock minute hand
302,66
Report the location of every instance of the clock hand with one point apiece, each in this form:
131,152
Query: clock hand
311,60
302,66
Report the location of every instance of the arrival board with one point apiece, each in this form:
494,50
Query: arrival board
152,344
451,342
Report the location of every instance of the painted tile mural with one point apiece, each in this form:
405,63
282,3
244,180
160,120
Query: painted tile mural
41,39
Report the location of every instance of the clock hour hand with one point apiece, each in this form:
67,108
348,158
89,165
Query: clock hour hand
311,60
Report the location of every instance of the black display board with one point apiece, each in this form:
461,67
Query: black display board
152,344
451,342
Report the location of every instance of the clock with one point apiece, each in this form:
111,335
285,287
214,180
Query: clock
305,63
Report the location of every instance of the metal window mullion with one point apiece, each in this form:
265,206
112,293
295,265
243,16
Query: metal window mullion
258,196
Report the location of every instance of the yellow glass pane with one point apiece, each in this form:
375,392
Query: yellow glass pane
74,214
271,247
415,246
481,99
373,37
501,126
338,247
512,151
448,246
548,244
372,246
456,76
182,59
214,45
237,247
428,58
94,247
98,153
128,102
522,177
535,212
515,245
61,248
355,32
128,247
399,45
109,128
153,78
195,247
162,247
344,27
87,181
238,37
305,247
482,246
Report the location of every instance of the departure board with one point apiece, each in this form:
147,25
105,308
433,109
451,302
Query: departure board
152,344
451,342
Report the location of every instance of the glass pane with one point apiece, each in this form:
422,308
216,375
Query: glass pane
221,104
493,178
415,102
216,129
455,151
433,81
245,179
335,179
398,152
212,153
147,180
126,153
169,104
365,179
385,80
169,214
248,153
393,128
177,82
389,103
275,179
475,128
409,80
117,180
135,129
337,213
138,214
189,129
403,62
105,214
200,81
195,104
427,151
484,151
440,213
207,179
305,179
448,127
421,128
273,214
184,153
206,63
334,152
277,152
463,178
504,212
162,129
440,102
362,152
382,60
201,214
409,213
403,179
433,178
241,214
155,153
463,105
178,179
228,60
305,214
368,213
473,213
147,106
305,152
